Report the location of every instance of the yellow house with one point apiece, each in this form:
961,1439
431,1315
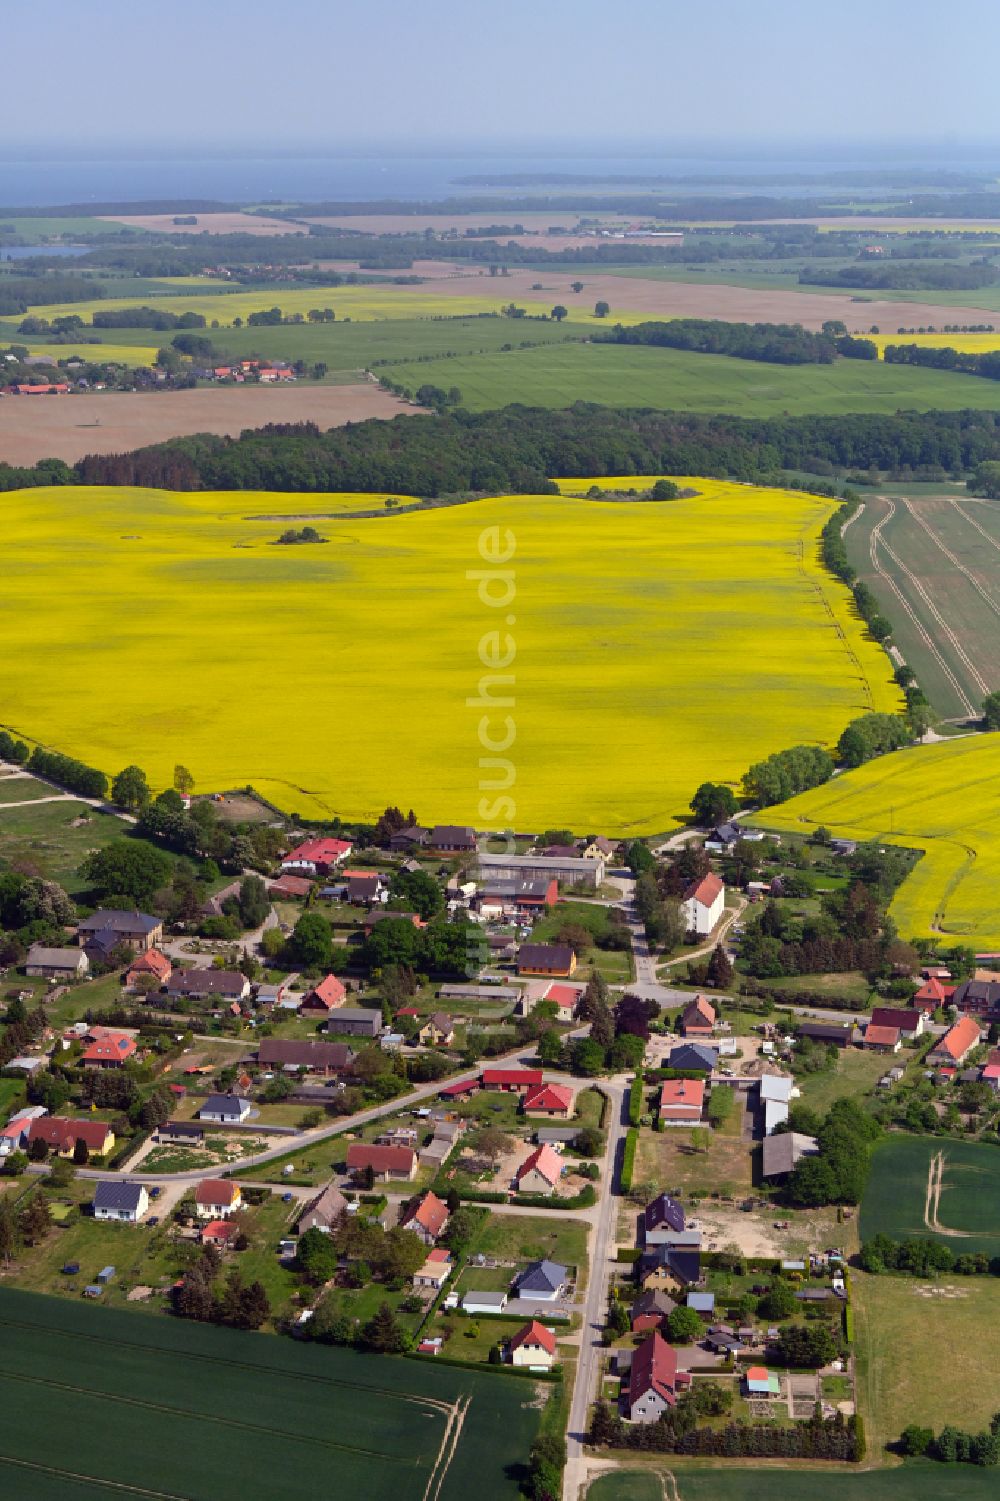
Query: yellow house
534,1346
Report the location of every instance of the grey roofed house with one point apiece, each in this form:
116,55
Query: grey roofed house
663,1211
684,1264
479,992
114,1194
225,1107
180,1131
543,1278
833,1032
197,983
318,1057
701,1302
490,1302
693,1056
554,1134
121,922
356,1021
653,1304
55,962
782,1152
324,1211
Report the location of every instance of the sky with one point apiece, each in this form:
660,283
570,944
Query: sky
354,74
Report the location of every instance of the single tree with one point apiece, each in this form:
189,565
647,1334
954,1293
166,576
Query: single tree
559,312
183,780
683,1326
601,310
130,790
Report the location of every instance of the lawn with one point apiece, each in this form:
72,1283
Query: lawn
667,1159
854,1073
102,1397
619,375
682,588
902,1327
919,1480
966,1216
525,1237
49,839
942,799
22,790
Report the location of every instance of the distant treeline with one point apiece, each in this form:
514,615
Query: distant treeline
17,293
772,343
516,449
914,276
986,365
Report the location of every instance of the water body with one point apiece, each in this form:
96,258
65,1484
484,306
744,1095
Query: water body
251,179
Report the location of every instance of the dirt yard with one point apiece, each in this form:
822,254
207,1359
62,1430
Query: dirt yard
68,427
211,224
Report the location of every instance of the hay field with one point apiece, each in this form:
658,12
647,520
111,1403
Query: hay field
115,1400
655,645
957,1203
943,799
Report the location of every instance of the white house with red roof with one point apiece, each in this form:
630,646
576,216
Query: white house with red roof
540,1171
956,1044
555,1100
704,903
109,1050
534,1346
566,999
217,1198
316,857
682,1101
427,1217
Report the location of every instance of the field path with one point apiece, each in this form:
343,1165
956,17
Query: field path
932,1202
966,572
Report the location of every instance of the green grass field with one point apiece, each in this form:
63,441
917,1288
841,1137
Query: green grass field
936,577
628,619
919,1480
854,1073
902,1326
45,839
100,1401
968,1211
943,799
22,790
678,380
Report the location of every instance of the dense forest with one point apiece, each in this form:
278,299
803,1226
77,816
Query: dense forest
905,276
986,365
516,449
772,343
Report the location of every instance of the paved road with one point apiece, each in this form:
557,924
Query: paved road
602,1242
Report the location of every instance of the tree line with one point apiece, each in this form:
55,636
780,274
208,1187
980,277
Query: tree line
986,365
676,1432
515,449
918,275
772,343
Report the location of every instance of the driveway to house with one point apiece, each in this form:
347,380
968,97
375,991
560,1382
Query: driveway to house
601,1246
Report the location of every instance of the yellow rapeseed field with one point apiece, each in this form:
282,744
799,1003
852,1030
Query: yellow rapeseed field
964,343
115,354
347,302
654,645
943,799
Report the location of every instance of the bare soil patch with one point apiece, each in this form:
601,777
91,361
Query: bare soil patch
211,224
68,427
666,299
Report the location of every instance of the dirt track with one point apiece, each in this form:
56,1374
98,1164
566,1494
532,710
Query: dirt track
68,427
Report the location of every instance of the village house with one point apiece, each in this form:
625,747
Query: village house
663,1220
933,994
427,1217
287,1053
681,1101
978,998
760,1384
568,871
412,836
219,1233
365,887
110,929
324,1211
525,896
956,1044
355,1021
325,997
533,1347
775,1092
289,888
511,1080
782,1152
109,1049
150,963
555,1100
669,1268
909,1021
438,1030
542,1281
565,998
842,1035
703,904
117,1200
691,1057
385,1162
435,1271
650,1311
56,964
316,857
452,839
546,959
208,984
654,1381
697,1019
217,1198
225,1109
881,1039
61,1134
540,1171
